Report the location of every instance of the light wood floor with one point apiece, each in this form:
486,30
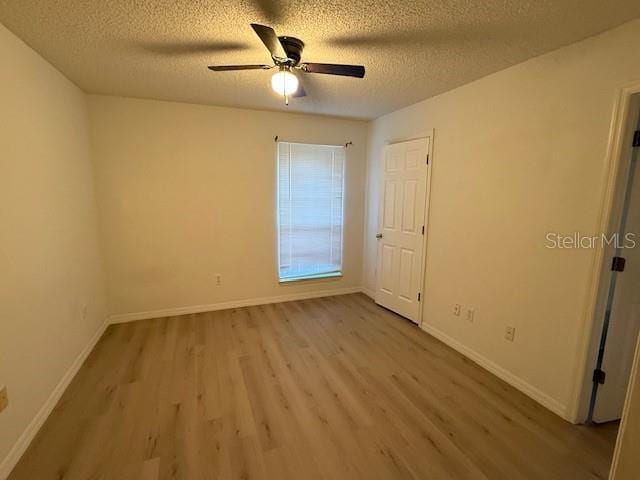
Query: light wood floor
328,388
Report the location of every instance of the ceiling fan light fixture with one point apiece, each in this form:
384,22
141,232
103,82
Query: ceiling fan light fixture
286,53
284,82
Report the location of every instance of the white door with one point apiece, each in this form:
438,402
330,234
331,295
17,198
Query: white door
624,321
401,227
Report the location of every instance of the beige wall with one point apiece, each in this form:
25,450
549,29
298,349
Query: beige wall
187,192
49,255
517,154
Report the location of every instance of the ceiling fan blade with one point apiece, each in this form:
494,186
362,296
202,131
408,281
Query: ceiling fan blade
334,69
226,68
270,40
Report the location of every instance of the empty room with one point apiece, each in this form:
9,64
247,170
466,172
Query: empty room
322,239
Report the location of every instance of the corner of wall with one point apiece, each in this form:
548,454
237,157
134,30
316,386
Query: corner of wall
29,433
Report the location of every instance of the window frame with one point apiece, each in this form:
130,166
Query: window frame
317,276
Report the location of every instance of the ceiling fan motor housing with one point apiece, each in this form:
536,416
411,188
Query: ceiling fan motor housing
293,47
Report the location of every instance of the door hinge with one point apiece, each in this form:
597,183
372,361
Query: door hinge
428,157
636,138
599,376
617,264
419,295
423,229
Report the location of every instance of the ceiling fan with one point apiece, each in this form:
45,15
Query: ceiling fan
286,53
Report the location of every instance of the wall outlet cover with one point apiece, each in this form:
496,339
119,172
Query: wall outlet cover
510,333
471,313
4,398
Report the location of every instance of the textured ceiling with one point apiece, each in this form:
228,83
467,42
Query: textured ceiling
412,50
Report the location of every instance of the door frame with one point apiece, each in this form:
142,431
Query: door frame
599,277
428,135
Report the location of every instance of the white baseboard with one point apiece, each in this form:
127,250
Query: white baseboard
18,449
249,302
369,293
529,390
30,432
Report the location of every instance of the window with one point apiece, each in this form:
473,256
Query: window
310,210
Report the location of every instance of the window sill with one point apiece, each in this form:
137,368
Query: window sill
318,276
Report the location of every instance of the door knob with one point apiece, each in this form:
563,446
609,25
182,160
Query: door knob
378,236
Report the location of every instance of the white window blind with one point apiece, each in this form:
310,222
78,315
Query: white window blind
310,210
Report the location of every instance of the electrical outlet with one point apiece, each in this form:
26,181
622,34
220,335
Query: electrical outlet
471,313
510,334
4,398
457,308
218,279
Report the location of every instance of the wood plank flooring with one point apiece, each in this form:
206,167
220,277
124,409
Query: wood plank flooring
330,388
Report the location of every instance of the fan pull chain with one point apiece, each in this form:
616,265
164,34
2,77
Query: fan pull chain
284,88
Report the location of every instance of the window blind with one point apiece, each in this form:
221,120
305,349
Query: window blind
310,210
